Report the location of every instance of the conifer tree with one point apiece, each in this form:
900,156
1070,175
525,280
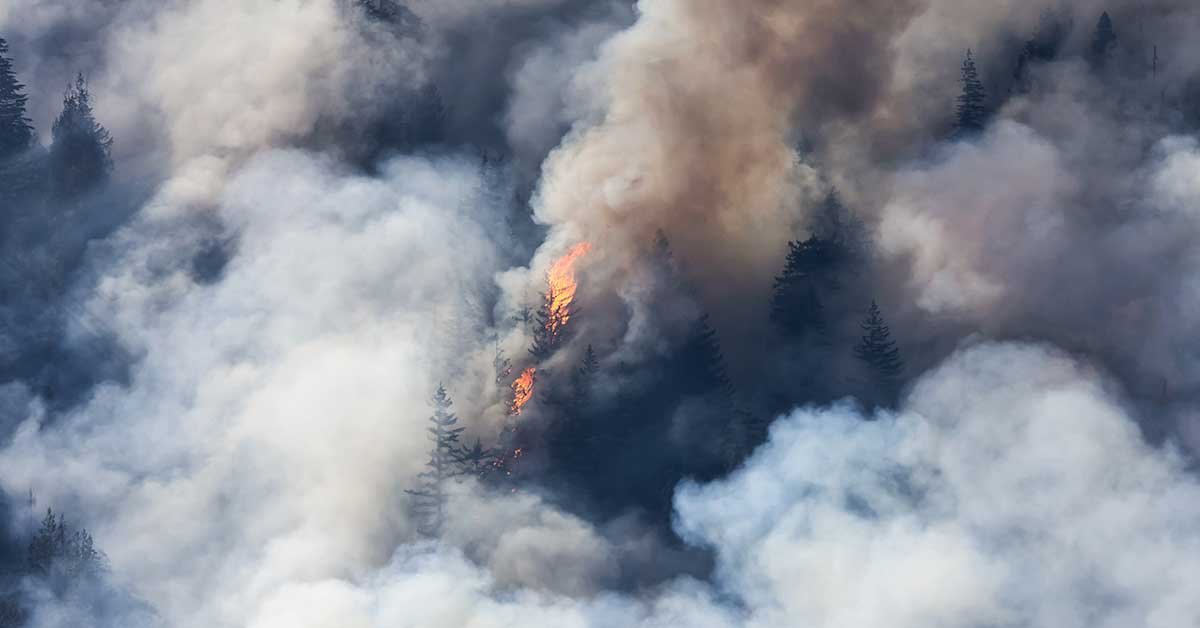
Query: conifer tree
61,554
699,363
429,497
476,461
545,341
878,352
590,364
815,269
796,306
16,130
972,102
81,153
1104,40
847,235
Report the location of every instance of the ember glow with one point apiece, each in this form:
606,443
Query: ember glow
522,390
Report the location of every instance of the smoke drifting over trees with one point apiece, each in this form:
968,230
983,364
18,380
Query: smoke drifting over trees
754,314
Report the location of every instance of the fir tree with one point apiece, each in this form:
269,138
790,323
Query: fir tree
61,554
547,329
878,353
1104,40
796,305
429,497
545,341
590,364
699,363
972,102
16,130
476,461
842,229
1053,28
81,154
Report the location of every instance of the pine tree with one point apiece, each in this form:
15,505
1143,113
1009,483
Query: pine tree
796,306
476,461
590,364
62,555
878,352
972,103
429,497
842,229
1104,40
81,153
16,130
547,332
699,363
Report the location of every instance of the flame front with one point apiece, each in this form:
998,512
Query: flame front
522,390
559,296
563,287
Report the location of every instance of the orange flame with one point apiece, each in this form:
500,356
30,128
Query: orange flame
522,390
563,286
560,295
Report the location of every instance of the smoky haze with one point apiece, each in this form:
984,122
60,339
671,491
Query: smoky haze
758,314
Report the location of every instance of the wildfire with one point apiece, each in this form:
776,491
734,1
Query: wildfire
522,390
563,286
559,296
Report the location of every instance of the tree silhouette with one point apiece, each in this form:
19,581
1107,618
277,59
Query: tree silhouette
81,154
61,555
972,102
878,353
1104,40
429,497
796,305
699,365
476,461
16,130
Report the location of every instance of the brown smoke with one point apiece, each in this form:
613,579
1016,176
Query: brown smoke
700,101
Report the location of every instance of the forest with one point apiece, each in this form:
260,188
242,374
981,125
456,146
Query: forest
772,313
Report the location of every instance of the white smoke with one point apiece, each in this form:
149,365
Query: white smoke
274,416
1012,488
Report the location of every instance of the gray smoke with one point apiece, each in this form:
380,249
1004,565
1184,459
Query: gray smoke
282,312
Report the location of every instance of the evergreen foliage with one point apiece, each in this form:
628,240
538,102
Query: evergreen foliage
81,153
878,352
16,130
699,363
61,554
972,111
476,461
796,305
429,497
1104,40
814,270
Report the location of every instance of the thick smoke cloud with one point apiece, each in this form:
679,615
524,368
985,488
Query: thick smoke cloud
216,445
255,311
1072,521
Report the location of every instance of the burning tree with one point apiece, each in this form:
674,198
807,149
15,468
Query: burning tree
522,391
552,317
429,497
